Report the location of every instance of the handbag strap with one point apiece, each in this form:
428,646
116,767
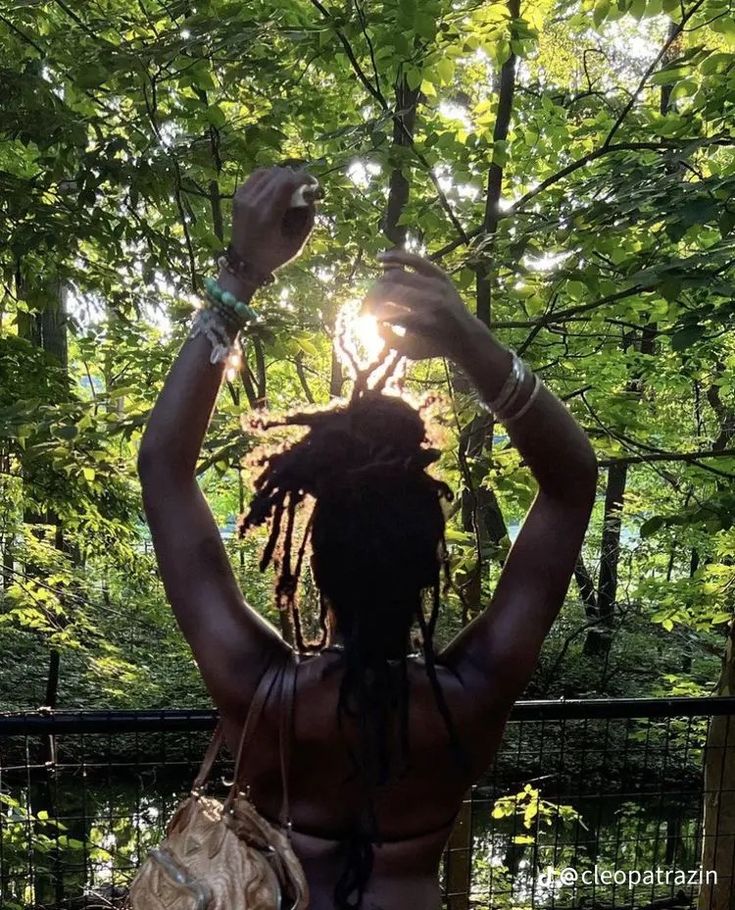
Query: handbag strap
268,680
260,697
284,674
205,769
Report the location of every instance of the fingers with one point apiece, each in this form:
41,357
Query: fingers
411,346
419,263
409,279
253,184
382,310
279,191
393,291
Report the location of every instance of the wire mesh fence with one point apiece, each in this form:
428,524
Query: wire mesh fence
598,804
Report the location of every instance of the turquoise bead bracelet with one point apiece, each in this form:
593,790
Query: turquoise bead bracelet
235,311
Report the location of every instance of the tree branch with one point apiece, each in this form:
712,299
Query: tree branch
672,36
688,457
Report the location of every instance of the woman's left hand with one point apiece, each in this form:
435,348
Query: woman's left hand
420,298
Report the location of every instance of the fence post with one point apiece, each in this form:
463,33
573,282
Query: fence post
459,858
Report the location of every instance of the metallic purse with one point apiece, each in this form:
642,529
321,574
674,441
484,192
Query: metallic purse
226,856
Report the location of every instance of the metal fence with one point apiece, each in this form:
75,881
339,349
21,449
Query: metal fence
589,804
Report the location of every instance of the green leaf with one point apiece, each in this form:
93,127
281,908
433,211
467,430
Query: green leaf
90,75
716,63
649,527
216,116
725,26
726,223
67,432
500,153
637,9
686,337
600,11
444,68
684,89
414,77
668,75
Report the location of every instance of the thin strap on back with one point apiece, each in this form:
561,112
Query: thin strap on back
286,733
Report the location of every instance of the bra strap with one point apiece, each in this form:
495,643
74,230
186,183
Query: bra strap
286,734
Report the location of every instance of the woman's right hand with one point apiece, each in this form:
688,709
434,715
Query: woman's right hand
266,230
420,298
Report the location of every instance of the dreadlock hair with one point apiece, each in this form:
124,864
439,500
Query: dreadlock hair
378,555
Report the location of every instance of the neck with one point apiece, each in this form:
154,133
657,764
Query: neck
393,646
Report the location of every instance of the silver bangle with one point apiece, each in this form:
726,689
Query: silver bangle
507,405
512,380
526,407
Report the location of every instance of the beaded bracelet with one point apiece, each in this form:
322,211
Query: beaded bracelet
228,304
243,269
221,318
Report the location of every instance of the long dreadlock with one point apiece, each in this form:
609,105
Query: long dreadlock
377,520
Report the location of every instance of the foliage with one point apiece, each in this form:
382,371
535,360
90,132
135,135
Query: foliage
125,128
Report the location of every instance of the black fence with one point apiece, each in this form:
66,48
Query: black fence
589,804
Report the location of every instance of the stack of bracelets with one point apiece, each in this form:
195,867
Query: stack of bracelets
505,405
222,316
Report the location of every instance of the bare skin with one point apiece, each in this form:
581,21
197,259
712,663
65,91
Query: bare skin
482,672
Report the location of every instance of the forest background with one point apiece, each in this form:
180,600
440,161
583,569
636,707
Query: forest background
569,163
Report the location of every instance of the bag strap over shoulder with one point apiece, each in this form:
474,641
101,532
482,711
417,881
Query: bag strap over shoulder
280,677
262,691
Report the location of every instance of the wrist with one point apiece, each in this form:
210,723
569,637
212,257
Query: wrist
485,361
236,285
470,344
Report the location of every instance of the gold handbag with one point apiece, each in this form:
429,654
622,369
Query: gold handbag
226,856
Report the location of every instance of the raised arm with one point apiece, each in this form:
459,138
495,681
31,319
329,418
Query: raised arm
230,641
499,650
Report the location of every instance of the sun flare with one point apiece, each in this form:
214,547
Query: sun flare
358,338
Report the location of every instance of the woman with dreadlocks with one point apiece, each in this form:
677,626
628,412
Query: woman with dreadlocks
384,743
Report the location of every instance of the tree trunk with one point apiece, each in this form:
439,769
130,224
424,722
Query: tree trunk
481,513
403,127
718,826
599,639
47,330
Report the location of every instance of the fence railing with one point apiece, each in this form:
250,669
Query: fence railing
589,803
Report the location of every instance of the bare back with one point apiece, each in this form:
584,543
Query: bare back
415,813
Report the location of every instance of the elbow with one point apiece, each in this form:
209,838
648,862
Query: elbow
151,462
160,466
585,478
